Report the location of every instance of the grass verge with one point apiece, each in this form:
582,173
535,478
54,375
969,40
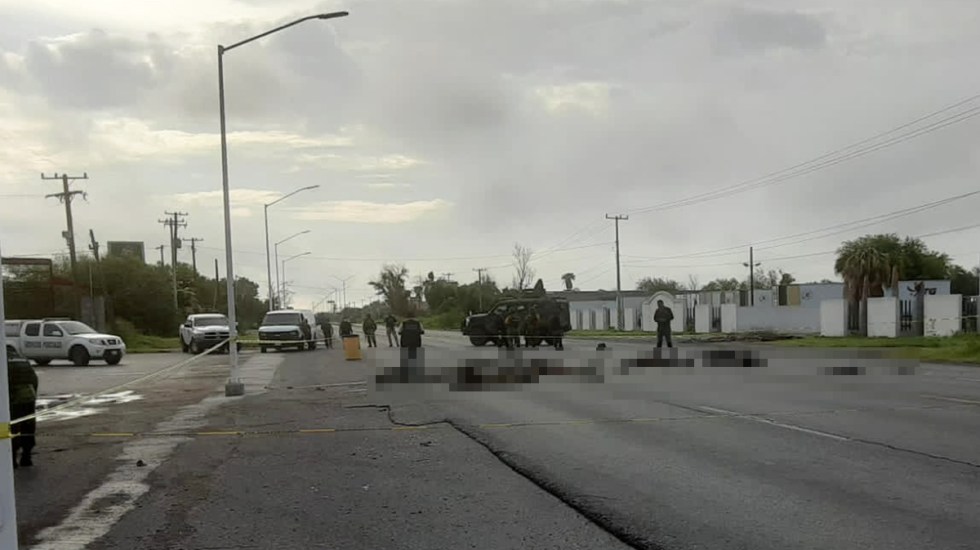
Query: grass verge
962,348
142,343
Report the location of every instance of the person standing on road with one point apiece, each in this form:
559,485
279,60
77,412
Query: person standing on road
391,324
554,327
346,329
327,333
663,316
370,327
512,326
22,389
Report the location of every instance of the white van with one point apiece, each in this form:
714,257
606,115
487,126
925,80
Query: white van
289,328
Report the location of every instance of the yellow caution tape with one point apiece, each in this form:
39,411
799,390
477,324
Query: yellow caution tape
5,430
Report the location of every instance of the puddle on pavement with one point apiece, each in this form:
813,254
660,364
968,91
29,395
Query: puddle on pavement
82,407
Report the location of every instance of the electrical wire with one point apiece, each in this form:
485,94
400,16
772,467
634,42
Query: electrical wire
807,235
850,152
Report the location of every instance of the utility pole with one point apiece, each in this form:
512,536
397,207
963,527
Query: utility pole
8,505
66,196
479,278
751,265
448,277
174,223
160,248
217,286
619,286
194,242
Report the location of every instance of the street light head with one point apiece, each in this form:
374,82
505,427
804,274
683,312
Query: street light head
310,187
333,15
304,232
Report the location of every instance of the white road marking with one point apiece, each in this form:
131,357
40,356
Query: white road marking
103,507
953,399
774,423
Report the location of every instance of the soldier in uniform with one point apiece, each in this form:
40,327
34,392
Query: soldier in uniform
663,316
555,330
346,329
370,327
327,333
512,328
391,325
22,386
495,328
531,328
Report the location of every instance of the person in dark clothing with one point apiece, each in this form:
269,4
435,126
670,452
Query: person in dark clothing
391,330
554,327
663,316
531,328
327,333
512,330
495,328
346,329
22,386
370,327
411,333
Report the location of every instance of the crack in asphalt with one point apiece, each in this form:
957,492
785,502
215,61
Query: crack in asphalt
622,534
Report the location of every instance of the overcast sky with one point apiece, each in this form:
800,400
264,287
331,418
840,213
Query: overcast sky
441,132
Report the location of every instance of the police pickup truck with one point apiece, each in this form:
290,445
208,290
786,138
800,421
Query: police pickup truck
45,340
478,328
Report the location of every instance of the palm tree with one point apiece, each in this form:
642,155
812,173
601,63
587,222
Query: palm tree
568,279
867,265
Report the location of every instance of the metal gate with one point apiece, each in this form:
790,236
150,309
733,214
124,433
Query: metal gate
906,318
690,319
853,317
716,318
968,317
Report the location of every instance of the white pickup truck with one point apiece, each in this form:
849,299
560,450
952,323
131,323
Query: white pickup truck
200,331
45,340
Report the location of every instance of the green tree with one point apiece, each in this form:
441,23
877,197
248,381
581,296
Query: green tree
391,286
657,284
722,285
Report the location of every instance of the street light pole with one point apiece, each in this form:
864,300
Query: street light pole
235,387
268,259
278,283
8,505
284,275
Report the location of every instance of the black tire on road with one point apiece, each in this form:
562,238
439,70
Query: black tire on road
312,345
184,348
42,362
479,341
114,360
79,356
195,348
263,349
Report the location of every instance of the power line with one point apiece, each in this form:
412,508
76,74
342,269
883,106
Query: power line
466,258
847,226
827,160
810,254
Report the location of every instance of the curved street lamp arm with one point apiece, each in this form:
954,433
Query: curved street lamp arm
223,49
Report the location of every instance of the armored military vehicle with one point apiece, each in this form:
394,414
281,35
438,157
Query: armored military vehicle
480,330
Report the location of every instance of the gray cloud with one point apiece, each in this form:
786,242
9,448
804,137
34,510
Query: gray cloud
535,119
749,30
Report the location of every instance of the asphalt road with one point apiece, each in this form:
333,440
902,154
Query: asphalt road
782,456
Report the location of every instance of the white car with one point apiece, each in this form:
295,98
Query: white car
46,340
201,331
289,328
